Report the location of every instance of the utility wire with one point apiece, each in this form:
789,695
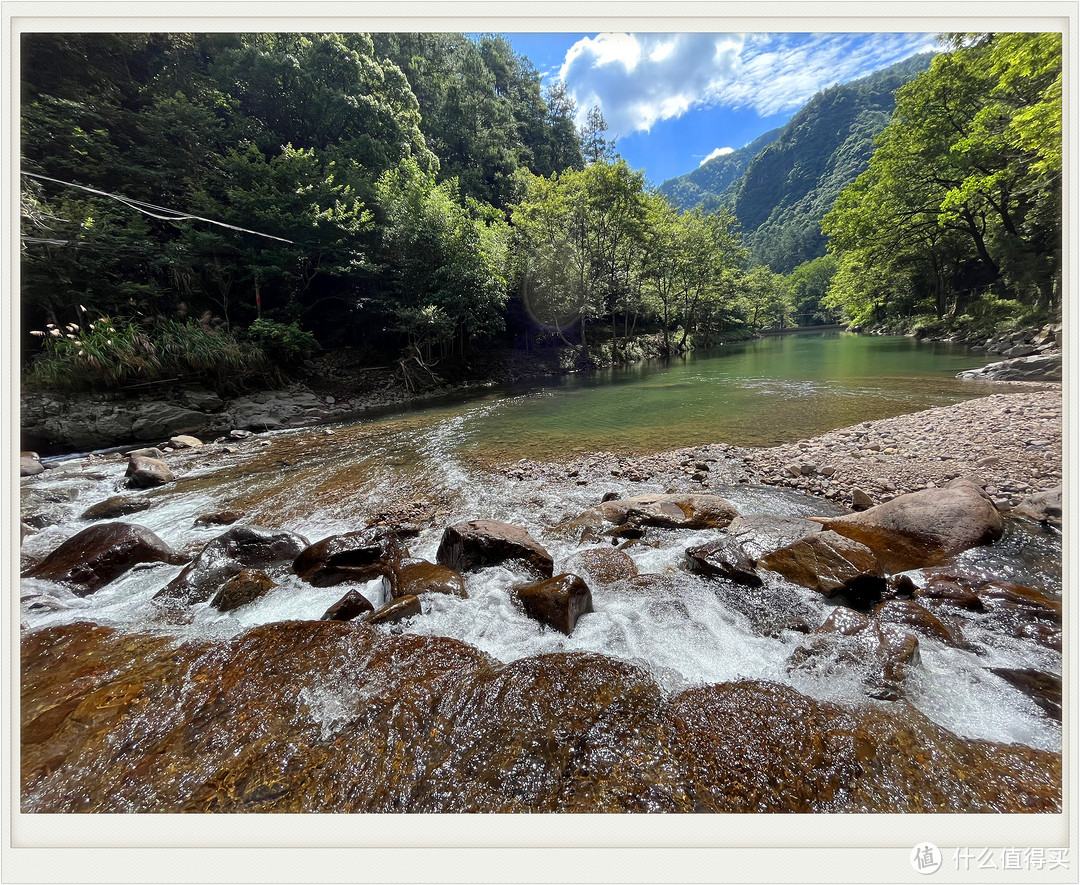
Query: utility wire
159,212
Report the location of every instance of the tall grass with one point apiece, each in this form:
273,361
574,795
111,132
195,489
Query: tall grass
114,353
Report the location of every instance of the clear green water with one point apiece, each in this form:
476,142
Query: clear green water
757,393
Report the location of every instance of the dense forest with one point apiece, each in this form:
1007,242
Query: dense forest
223,205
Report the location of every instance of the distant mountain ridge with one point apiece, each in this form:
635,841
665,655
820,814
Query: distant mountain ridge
782,184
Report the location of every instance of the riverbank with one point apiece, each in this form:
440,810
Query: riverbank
1010,443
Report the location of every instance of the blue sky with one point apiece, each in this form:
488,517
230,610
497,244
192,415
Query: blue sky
672,100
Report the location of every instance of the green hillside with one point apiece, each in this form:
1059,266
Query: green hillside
794,178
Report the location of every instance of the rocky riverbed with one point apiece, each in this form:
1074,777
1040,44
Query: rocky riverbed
272,622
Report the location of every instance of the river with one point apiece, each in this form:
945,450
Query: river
448,463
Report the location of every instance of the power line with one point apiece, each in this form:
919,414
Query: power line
161,213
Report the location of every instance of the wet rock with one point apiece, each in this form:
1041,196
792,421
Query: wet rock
414,577
764,747
923,528
1043,688
220,517
1042,507
354,556
951,594
117,506
473,545
241,547
271,721
30,466
143,473
244,587
351,605
183,441
38,514
557,602
628,517
723,558
761,533
147,452
907,613
395,610
600,565
101,553
845,621
828,563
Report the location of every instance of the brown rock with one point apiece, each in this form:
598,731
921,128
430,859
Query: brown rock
923,528
354,556
143,473
148,452
244,587
860,500
470,546
828,563
761,533
186,442
557,602
949,593
601,565
676,511
414,577
241,547
1043,688
351,605
395,610
100,554
845,621
117,506
907,613
220,517
723,558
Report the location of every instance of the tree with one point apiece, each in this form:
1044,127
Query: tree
595,146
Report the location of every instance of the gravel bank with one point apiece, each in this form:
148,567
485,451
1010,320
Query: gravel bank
1010,442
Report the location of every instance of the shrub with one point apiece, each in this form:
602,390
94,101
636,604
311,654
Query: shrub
284,344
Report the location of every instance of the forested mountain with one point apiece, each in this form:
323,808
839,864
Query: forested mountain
793,180
708,185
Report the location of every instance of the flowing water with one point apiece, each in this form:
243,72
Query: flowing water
685,631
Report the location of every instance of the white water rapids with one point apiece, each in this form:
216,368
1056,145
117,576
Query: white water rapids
689,631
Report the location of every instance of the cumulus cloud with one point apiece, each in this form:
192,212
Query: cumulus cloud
637,79
718,152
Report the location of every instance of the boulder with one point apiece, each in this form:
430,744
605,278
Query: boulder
414,577
761,533
184,441
241,547
600,565
220,517
242,588
147,452
675,511
351,605
1042,507
99,554
354,556
723,558
395,610
845,621
1041,367
907,613
144,473
557,602
470,546
828,563
923,528
117,506
30,466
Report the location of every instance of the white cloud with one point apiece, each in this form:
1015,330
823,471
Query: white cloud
718,152
637,79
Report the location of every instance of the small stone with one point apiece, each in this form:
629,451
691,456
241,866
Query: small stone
860,500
